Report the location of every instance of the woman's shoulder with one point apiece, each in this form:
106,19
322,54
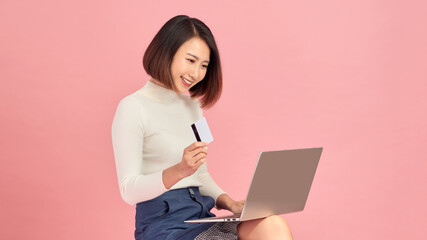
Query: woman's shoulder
131,100
134,102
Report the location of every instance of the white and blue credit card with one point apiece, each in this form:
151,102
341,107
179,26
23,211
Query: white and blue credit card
201,131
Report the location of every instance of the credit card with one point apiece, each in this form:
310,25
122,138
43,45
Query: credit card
201,131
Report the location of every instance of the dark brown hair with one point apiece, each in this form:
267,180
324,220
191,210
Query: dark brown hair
159,54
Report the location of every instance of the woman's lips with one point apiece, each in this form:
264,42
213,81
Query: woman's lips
186,82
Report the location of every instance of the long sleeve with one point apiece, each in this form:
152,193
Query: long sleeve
209,187
128,140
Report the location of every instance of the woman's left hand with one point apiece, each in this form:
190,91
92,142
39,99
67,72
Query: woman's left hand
226,202
237,206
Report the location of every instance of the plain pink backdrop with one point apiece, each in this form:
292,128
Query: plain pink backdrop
346,75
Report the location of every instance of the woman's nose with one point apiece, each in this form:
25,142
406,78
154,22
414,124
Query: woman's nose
194,73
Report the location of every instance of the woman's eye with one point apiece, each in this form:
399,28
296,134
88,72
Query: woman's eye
204,66
190,60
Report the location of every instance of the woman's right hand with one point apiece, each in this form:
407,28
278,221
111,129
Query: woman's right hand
193,157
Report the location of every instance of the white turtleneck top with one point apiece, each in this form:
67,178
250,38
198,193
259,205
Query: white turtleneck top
150,130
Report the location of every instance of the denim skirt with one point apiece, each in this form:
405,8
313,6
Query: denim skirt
163,217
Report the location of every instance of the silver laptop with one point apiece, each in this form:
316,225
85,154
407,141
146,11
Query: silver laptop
280,184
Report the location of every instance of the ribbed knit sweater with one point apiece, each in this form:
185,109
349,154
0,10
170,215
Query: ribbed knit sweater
150,130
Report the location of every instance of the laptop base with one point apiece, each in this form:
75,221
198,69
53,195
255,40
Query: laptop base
228,218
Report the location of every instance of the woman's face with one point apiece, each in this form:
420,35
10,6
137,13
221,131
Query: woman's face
190,63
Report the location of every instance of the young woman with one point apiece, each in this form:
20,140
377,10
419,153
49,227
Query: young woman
159,165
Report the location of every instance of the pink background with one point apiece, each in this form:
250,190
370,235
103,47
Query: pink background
346,75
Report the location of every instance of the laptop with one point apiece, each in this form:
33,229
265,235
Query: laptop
280,184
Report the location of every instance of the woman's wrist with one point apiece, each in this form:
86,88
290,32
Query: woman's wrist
172,175
224,202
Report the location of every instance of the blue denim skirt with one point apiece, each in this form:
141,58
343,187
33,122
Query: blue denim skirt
163,217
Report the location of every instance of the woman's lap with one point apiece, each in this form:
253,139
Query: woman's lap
163,217
220,230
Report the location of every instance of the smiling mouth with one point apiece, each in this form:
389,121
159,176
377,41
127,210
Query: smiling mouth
186,82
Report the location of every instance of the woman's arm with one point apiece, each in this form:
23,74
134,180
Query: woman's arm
226,202
127,136
193,157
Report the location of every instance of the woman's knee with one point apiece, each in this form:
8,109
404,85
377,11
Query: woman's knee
276,221
269,227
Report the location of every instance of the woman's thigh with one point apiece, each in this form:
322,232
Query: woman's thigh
164,216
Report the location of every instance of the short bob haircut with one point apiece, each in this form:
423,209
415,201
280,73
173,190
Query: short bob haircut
159,54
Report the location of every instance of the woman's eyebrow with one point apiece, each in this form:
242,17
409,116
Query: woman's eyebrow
194,56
